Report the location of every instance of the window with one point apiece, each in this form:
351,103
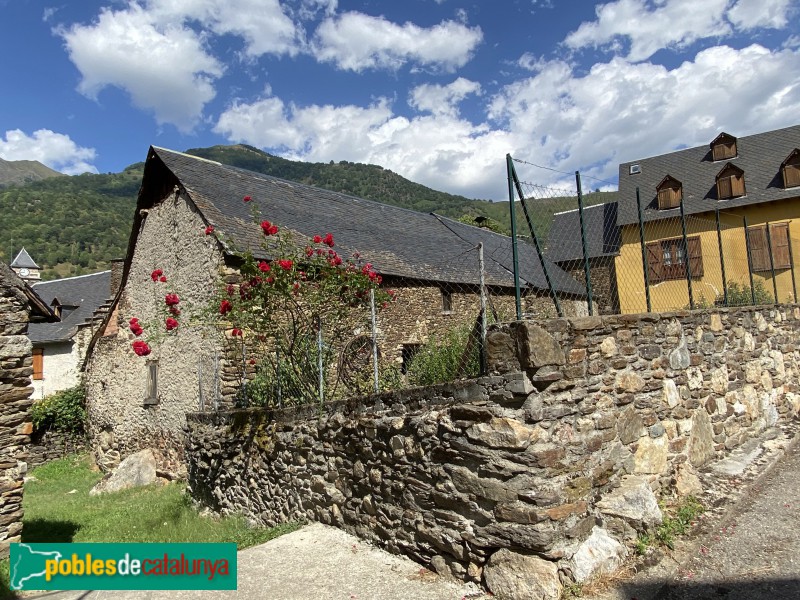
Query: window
791,169
759,247
38,364
447,300
666,259
151,393
670,193
723,147
730,182
409,352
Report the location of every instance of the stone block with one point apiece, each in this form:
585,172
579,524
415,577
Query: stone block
634,501
629,426
599,553
539,348
502,432
522,577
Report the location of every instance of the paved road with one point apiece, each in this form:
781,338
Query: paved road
752,554
314,563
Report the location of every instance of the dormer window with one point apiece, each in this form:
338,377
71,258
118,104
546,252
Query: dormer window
670,193
730,182
790,168
723,147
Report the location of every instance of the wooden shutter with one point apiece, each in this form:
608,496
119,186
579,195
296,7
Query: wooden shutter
724,150
759,253
669,197
779,238
655,262
38,363
737,186
695,255
791,176
724,187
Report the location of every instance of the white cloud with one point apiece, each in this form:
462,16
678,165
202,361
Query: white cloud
163,66
55,150
355,41
753,14
442,99
649,28
558,118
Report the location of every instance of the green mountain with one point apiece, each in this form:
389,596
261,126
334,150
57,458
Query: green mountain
76,225
15,172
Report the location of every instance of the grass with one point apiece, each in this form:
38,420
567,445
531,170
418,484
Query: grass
58,508
677,521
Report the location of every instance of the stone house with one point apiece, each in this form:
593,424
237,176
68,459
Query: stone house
19,305
135,402
59,349
602,247
751,182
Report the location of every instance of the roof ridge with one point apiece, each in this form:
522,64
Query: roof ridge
38,283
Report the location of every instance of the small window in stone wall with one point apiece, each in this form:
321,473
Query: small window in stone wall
409,352
447,300
151,393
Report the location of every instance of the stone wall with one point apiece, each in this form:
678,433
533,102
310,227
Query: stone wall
16,368
47,445
552,457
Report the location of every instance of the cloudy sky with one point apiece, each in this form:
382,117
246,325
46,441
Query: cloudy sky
436,90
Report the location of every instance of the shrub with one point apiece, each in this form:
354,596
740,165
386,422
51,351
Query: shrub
63,411
741,295
445,358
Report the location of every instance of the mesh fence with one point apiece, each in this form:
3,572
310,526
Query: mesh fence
656,265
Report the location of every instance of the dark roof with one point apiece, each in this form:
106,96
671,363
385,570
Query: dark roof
40,311
397,241
759,156
23,261
79,298
602,233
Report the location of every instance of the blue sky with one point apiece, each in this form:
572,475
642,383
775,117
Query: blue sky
436,90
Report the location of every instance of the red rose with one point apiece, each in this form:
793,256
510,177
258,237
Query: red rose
236,332
175,310
230,289
309,251
163,279
209,230
225,307
156,274
268,228
263,267
140,348
285,264
171,324
136,329
328,240
133,320
247,198
317,239
171,299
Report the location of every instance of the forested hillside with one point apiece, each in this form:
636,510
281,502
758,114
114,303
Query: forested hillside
76,225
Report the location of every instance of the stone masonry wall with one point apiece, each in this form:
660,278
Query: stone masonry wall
553,456
16,368
47,445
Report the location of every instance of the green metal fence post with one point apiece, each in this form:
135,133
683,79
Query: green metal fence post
514,250
722,262
749,262
686,257
535,240
586,271
644,253
772,263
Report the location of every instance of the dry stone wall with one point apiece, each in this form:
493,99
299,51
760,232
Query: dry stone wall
547,465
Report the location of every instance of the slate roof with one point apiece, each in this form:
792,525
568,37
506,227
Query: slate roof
602,233
86,293
760,156
397,241
23,261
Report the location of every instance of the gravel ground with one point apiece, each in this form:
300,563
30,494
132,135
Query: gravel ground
747,546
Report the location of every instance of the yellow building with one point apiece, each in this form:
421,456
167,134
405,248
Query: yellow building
738,238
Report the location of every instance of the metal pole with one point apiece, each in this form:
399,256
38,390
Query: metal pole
319,362
374,340
483,309
791,266
722,262
644,253
536,242
771,263
749,263
686,257
514,250
586,272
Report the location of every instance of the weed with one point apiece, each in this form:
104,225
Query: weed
677,521
572,590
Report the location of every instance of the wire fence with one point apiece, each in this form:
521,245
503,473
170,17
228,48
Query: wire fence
658,260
